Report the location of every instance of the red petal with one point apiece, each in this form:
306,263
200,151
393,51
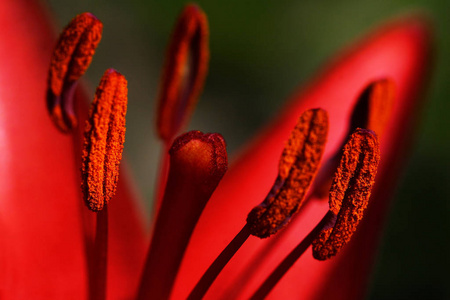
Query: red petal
43,251
399,51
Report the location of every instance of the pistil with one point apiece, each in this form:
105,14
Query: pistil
197,164
298,165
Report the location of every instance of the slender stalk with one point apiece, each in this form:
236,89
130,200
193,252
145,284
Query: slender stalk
162,179
98,281
289,261
219,263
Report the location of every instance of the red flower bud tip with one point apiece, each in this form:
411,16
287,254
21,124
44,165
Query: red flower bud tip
350,192
71,58
298,166
198,162
103,140
184,73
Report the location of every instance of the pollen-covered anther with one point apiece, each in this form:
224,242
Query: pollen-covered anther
372,111
103,140
184,72
70,59
350,192
298,166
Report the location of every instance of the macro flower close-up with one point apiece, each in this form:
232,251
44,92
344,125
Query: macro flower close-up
132,165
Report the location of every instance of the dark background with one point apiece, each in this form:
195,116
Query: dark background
261,51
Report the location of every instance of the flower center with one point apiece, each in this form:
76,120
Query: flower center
197,162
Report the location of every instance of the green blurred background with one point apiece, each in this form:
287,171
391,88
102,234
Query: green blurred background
261,51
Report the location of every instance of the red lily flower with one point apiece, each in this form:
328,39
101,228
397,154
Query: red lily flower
47,241
399,51
45,246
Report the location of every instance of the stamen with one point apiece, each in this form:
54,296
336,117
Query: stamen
350,192
205,282
349,196
97,288
298,166
271,281
71,58
184,73
197,164
372,111
103,140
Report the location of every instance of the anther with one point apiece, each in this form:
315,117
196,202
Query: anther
70,59
349,193
184,72
372,111
298,166
103,140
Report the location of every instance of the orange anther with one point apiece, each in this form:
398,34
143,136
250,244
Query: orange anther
71,58
298,166
103,140
350,192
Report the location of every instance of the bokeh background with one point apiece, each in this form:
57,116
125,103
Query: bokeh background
261,51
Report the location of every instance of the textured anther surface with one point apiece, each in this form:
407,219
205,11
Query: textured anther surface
74,50
104,139
350,192
298,166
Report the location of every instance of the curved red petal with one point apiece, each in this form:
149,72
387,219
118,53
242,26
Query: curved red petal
399,51
42,218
